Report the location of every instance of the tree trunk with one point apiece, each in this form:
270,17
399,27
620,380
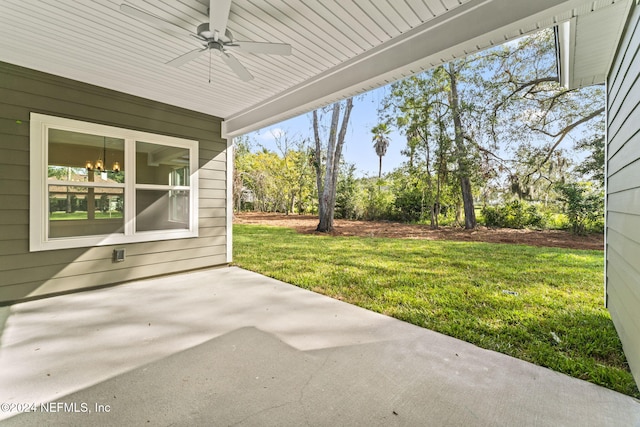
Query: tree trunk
292,203
327,190
467,201
461,152
380,168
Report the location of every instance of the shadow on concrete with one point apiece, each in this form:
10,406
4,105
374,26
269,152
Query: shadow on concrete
231,347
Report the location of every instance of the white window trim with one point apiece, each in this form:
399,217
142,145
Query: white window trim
38,194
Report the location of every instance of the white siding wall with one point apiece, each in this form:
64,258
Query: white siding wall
623,192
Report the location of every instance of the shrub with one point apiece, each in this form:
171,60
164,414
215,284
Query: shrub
408,206
376,200
515,214
492,216
584,207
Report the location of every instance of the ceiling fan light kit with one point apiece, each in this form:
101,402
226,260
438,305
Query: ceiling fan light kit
214,36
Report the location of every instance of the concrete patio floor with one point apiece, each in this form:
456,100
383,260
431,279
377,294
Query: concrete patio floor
231,347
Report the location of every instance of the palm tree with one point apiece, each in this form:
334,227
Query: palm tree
380,142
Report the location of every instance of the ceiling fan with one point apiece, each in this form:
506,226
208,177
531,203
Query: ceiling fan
214,36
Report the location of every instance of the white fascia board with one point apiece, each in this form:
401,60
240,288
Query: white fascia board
468,21
566,45
621,27
229,221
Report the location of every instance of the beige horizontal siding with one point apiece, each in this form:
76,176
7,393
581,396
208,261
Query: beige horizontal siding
624,202
10,247
624,70
623,130
133,261
103,105
60,258
15,187
213,231
65,284
25,274
625,225
210,193
12,172
623,192
15,157
16,201
624,179
13,232
13,217
12,142
216,184
213,174
629,153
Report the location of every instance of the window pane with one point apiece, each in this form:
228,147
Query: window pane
162,210
82,157
161,164
82,211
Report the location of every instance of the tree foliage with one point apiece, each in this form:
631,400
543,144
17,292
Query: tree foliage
380,142
495,129
271,181
584,206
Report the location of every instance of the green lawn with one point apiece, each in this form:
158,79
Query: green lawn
543,305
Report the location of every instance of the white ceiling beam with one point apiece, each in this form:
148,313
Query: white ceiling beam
468,21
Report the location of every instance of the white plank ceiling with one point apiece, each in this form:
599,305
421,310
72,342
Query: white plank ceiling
586,44
340,48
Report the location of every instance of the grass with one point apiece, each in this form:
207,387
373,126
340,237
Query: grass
543,305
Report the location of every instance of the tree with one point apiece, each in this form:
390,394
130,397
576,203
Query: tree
241,151
380,142
593,165
519,83
429,109
294,170
330,169
272,181
464,168
347,193
528,180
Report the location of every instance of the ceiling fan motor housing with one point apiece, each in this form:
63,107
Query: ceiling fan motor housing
203,31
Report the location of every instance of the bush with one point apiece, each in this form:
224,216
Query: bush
408,206
584,207
556,221
375,201
515,214
492,217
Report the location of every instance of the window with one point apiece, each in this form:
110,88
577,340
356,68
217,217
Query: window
95,185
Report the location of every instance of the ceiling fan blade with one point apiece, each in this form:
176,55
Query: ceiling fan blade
262,47
183,59
218,16
154,20
236,67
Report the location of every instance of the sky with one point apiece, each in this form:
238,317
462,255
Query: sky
358,148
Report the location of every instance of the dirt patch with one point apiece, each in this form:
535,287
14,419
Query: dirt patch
307,224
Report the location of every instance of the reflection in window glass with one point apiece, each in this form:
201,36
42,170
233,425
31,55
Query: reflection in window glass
85,211
82,157
179,176
158,164
162,210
